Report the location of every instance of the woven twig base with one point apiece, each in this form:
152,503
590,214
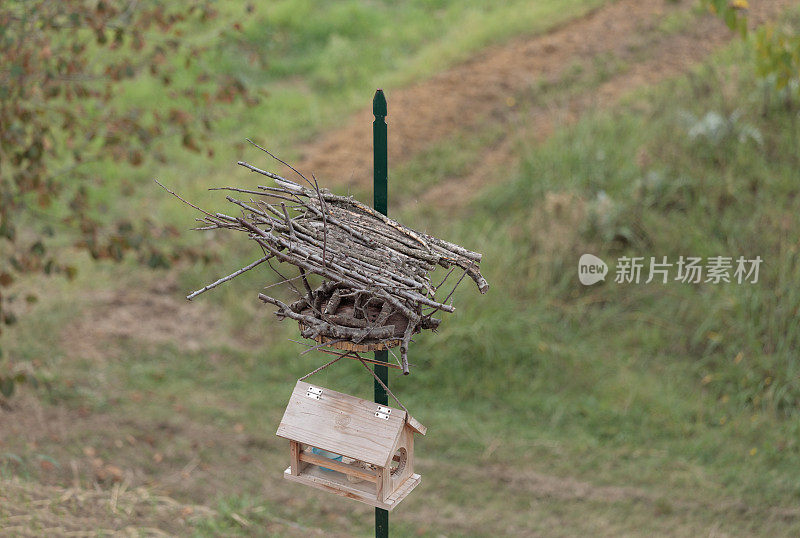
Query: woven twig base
350,346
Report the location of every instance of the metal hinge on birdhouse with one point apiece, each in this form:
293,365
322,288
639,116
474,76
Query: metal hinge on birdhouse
314,392
383,412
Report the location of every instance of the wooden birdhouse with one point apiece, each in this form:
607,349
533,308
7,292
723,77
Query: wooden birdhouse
351,447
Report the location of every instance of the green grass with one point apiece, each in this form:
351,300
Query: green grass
552,408
705,374
312,64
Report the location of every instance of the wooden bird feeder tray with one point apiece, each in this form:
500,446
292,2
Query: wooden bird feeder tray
376,443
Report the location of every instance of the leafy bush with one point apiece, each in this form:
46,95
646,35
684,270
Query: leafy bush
777,50
65,67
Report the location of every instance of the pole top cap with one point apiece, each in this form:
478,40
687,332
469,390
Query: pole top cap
379,104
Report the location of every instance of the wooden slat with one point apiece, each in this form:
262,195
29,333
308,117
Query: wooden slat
338,485
294,452
405,488
416,425
345,468
379,486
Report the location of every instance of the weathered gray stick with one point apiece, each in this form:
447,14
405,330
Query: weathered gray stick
227,278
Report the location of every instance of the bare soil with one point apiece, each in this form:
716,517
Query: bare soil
155,314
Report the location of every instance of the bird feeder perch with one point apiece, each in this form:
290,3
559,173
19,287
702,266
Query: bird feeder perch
375,442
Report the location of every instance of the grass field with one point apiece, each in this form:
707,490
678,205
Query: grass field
553,409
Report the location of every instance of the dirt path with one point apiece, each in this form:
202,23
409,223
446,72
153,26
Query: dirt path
664,57
472,93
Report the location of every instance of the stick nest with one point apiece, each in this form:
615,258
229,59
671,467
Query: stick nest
376,290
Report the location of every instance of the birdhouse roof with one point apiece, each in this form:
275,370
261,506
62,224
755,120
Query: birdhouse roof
344,424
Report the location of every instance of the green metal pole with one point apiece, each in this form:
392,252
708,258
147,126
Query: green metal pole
380,201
